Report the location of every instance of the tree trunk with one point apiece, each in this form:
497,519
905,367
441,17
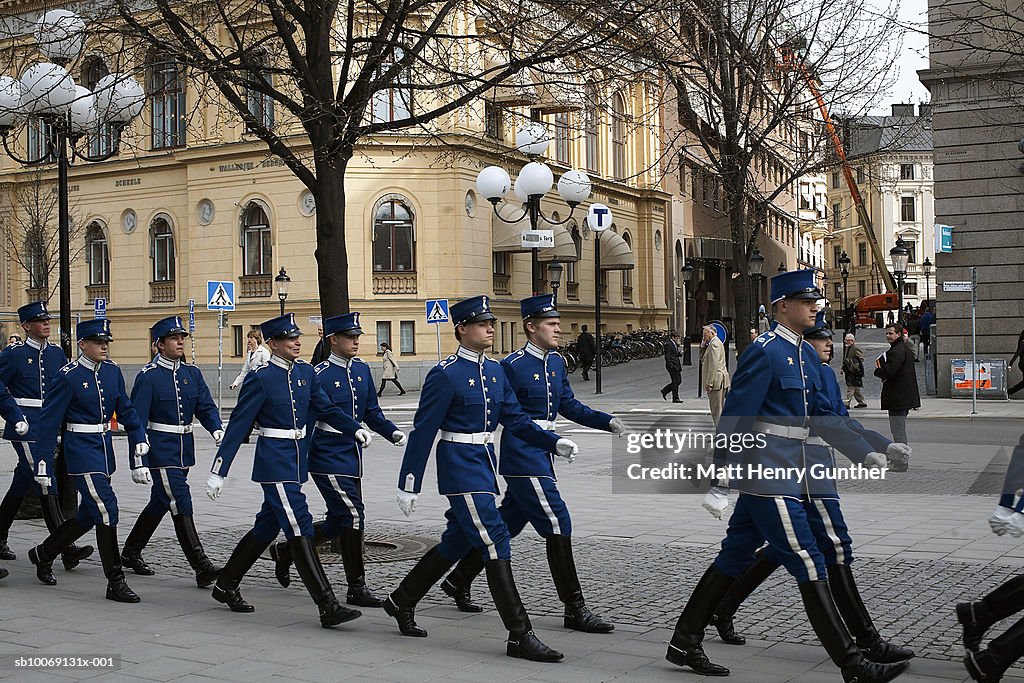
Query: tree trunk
742,294
331,253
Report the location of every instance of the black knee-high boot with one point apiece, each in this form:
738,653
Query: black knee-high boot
978,617
989,665
460,579
741,589
246,553
192,547
685,648
53,515
858,620
110,556
523,643
131,556
567,584
355,572
8,511
401,604
307,563
43,555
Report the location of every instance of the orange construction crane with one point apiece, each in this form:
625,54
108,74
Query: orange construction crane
792,60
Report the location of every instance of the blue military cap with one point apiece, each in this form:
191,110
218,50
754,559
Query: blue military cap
347,324
281,327
473,310
94,330
821,330
540,306
30,313
795,284
167,327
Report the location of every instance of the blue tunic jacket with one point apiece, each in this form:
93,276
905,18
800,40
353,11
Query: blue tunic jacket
27,369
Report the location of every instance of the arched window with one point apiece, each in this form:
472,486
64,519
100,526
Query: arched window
627,275
618,137
590,127
562,138
161,249
257,246
97,255
394,238
102,140
167,101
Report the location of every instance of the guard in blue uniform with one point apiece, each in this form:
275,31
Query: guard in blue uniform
282,396
541,383
464,399
336,460
828,526
27,369
777,388
86,393
167,395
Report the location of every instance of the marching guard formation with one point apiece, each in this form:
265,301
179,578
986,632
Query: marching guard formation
310,421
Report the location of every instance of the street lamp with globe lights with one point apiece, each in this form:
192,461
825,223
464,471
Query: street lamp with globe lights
282,280
555,279
844,271
533,182
900,256
46,91
755,265
927,268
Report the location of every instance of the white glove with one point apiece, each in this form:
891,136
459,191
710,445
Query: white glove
566,449
999,520
716,501
399,438
218,436
875,461
1015,527
140,475
21,428
233,386
214,485
618,427
141,448
899,451
363,438
407,502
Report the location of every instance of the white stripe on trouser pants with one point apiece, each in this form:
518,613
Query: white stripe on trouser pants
336,483
794,544
492,550
546,506
288,509
831,531
104,515
170,494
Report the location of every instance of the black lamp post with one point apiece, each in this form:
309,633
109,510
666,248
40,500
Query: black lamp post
754,267
927,268
900,256
844,270
555,278
282,281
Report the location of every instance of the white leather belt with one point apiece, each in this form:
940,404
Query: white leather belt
80,428
460,437
29,402
324,427
797,433
816,441
546,424
293,434
170,429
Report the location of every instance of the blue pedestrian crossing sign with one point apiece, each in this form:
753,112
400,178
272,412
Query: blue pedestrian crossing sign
220,295
99,308
437,311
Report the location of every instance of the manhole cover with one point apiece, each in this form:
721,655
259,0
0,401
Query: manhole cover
382,548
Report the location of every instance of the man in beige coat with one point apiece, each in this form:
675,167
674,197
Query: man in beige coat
714,373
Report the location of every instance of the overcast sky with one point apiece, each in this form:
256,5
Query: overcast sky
905,86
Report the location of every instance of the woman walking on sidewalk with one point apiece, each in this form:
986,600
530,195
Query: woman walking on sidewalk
255,356
390,370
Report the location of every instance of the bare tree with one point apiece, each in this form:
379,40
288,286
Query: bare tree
743,76
28,232
340,73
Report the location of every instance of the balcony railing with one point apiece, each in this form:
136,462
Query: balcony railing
255,286
36,293
101,291
502,284
161,292
392,283
572,291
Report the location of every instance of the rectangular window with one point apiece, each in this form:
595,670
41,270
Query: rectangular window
237,341
912,248
494,121
837,212
383,333
593,147
98,264
562,138
257,250
906,171
909,289
163,258
862,254
407,336
500,262
167,104
835,180
862,288
908,212
393,104
838,292
837,251
261,105
41,138
860,176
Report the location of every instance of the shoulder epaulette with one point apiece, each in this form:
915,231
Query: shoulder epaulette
299,361
112,363
447,361
147,367
765,337
357,359
69,367
321,366
514,356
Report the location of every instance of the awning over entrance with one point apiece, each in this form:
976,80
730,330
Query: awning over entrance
564,249
615,253
508,236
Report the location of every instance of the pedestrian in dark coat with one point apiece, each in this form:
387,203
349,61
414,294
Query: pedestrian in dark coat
900,394
672,352
587,348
